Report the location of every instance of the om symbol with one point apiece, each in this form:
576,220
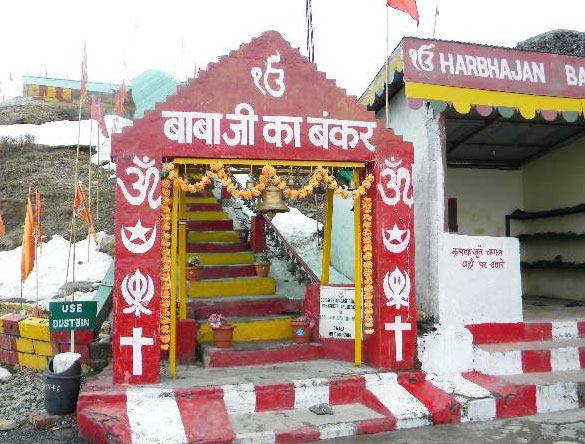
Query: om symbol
395,177
146,182
256,72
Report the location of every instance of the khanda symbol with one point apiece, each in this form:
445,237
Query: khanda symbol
397,288
256,72
137,291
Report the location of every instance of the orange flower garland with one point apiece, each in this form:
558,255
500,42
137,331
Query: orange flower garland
269,175
165,265
367,265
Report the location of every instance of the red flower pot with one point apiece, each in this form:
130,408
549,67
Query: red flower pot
223,335
262,269
301,332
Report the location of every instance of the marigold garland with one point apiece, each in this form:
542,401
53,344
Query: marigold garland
367,265
269,176
165,265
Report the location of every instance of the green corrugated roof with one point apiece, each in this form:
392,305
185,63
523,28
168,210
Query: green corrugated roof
99,87
151,87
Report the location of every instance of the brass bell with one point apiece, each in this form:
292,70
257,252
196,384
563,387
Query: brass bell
249,184
351,186
271,201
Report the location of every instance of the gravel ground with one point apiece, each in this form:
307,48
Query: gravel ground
30,435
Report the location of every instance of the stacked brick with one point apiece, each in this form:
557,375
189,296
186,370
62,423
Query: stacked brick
26,341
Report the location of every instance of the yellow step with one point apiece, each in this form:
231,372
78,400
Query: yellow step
253,329
236,258
232,287
213,236
201,200
207,215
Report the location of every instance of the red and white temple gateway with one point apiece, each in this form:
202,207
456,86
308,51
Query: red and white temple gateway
264,103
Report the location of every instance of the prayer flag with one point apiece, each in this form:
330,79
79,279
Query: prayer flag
2,228
83,74
120,98
408,6
98,115
28,242
81,210
38,231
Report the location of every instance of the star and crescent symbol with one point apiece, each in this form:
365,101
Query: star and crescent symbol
396,240
138,233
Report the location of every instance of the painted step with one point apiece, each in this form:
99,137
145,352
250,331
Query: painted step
259,328
528,357
256,305
217,247
207,215
236,258
204,207
201,200
227,271
260,352
493,333
212,236
532,393
232,287
210,225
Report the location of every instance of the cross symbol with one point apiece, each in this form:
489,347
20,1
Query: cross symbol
398,327
137,342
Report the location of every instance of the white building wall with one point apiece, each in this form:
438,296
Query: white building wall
342,236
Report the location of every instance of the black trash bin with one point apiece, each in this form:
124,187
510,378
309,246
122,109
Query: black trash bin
62,389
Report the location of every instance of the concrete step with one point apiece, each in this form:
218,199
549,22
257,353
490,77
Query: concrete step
217,247
210,225
243,306
194,207
260,352
200,200
235,258
207,215
530,356
232,287
212,236
253,328
227,271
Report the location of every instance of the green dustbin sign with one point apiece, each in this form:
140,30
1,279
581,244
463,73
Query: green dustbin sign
66,316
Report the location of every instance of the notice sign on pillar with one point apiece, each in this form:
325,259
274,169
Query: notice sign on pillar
67,316
337,313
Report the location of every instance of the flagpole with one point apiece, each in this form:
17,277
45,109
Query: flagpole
386,109
436,15
37,223
21,259
97,198
89,186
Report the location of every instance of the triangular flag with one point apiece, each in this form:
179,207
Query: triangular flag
28,242
2,227
120,98
408,6
84,74
98,115
81,210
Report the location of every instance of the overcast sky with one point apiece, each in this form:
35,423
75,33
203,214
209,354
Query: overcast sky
127,37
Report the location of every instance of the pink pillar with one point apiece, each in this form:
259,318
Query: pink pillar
393,343
136,348
257,234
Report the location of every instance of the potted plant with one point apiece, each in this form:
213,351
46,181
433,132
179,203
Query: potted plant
223,332
194,268
262,264
302,328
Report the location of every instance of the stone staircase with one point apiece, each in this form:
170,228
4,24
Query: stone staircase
230,286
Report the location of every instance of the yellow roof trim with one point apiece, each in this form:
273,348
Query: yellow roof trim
396,64
464,98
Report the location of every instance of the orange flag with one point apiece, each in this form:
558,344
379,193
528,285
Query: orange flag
2,228
38,233
408,6
28,242
81,210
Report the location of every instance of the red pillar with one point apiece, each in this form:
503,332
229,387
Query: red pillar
393,343
257,234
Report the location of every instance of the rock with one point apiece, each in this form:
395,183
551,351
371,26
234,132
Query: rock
7,424
42,420
321,409
108,244
83,286
4,374
559,41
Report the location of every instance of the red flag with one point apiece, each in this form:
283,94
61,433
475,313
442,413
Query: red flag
98,115
81,209
84,74
120,98
28,242
2,227
408,6
38,232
